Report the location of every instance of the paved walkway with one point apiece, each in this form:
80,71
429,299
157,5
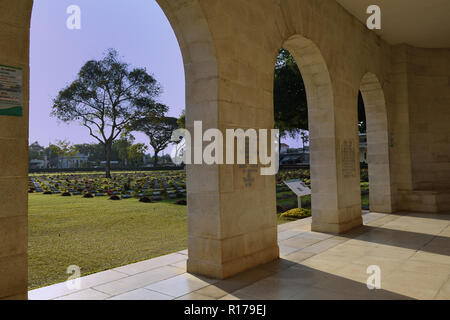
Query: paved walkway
412,251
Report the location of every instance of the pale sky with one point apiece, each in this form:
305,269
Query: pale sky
138,29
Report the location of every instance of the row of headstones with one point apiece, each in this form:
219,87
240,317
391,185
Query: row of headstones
172,194
36,185
156,196
73,188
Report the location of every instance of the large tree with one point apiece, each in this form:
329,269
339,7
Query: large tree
122,147
107,96
159,132
136,154
290,105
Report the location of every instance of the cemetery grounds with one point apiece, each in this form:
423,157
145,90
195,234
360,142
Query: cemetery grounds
97,224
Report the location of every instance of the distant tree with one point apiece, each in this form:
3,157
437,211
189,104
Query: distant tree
52,157
159,131
63,148
136,154
122,148
36,151
305,138
165,159
84,148
181,122
94,151
106,98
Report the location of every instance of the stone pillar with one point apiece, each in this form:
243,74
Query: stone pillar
232,208
378,146
334,142
232,222
231,211
14,44
233,228
336,195
399,122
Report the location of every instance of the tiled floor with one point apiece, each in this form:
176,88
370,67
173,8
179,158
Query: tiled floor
411,250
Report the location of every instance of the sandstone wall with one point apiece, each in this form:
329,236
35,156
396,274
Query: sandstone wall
14,50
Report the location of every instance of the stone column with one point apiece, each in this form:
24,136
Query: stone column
14,47
378,146
399,121
334,142
232,222
232,208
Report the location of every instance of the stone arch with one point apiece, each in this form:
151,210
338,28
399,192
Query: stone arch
319,92
192,30
377,144
199,57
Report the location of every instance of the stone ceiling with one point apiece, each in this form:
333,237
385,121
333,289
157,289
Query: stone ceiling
420,23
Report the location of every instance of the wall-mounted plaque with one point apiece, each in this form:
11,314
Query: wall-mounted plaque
10,91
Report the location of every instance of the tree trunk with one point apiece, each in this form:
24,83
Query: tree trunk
108,160
155,161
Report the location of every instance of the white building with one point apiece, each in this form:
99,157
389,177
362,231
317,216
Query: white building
73,162
284,148
38,164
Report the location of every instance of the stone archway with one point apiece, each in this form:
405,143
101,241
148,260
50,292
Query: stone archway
377,144
192,31
228,49
327,213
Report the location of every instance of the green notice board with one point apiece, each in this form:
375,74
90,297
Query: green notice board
10,91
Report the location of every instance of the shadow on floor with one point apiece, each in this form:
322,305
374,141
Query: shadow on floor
285,280
404,239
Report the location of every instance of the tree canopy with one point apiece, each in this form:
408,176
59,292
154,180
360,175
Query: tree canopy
106,97
182,120
64,148
290,105
159,132
136,153
36,151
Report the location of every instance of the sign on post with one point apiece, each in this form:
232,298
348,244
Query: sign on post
299,188
10,91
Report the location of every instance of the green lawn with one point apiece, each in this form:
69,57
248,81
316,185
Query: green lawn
98,234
